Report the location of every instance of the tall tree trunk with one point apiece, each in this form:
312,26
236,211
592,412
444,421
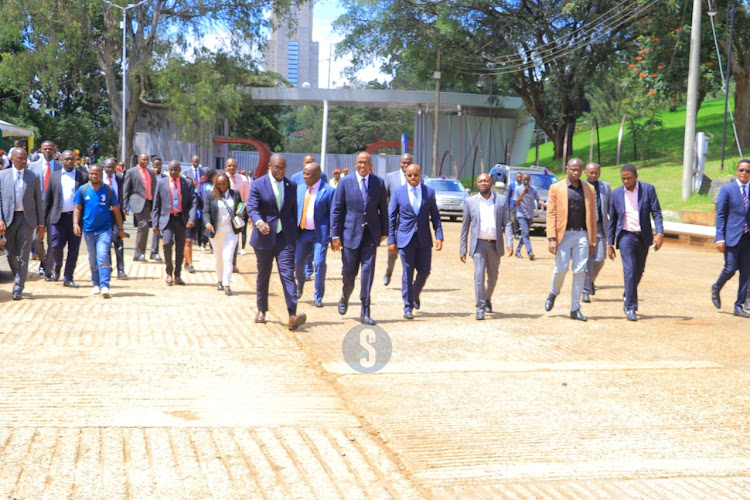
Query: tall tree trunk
558,138
742,107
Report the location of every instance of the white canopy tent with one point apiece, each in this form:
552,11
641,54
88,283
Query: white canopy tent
8,129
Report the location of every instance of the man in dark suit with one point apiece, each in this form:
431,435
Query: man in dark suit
59,203
195,172
114,179
175,206
409,214
272,206
631,207
140,184
43,168
483,238
393,181
733,236
359,224
22,214
313,218
595,263
158,169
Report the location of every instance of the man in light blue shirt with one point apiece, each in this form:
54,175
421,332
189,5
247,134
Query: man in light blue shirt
525,199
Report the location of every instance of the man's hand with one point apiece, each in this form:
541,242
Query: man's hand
611,252
392,249
336,244
383,238
438,245
263,227
190,224
2,227
121,234
77,229
659,240
553,247
210,227
39,232
592,250
156,230
721,247
462,257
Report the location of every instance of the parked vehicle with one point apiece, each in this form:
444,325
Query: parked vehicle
450,195
541,179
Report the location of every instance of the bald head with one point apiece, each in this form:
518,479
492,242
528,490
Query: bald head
593,170
406,160
308,159
311,173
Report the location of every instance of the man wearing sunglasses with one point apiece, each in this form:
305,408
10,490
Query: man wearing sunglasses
733,236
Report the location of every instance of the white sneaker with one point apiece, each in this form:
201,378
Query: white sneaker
95,290
242,251
105,292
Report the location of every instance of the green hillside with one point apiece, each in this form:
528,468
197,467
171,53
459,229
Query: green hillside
664,165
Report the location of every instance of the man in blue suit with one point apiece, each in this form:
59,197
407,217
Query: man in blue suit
272,206
313,218
359,224
411,209
299,180
631,207
733,236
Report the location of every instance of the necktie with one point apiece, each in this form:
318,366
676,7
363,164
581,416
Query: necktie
109,178
278,204
19,191
175,197
46,177
745,228
414,200
303,222
363,189
598,203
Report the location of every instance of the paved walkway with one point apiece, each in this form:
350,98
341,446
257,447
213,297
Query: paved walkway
173,392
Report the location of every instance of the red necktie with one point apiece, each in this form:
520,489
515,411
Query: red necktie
110,180
46,178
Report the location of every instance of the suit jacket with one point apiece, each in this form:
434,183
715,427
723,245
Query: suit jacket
32,197
731,214
53,199
211,213
38,167
322,214
298,178
470,224
134,193
163,202
188,172
557,210
261,205
393,182
404,224
349,215
120,178
605,193
648,206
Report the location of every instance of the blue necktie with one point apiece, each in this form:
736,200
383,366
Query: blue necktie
363,189
415,200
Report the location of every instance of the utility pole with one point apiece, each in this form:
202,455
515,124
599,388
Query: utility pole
688,153
436,76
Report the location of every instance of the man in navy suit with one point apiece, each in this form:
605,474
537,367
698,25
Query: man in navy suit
596,263
409,214
359,224
393,181
272,206
44,167
733,236
59,203
313,218
632,206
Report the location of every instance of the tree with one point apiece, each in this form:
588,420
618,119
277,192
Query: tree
55,40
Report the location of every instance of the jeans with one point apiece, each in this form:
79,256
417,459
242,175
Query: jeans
98,246
524,240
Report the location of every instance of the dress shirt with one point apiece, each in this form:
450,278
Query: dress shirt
310,216
415,198
632,220
359,181
18,188
146,179
525,209
225,215
576,206
175,195
487,224
239,183
68,182
111,181
278,189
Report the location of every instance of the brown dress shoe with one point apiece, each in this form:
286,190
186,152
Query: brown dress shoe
260,317
178,281
169,280
297,320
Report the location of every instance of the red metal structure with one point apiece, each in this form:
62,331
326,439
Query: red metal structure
263,150
386,144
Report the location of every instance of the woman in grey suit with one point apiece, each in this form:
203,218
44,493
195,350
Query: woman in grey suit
218,216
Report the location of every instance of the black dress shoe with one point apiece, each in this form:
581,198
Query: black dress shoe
41,271
577,315
366,319
585,298
227,291
739,311
715,297
408,315
121,275
488,305
343,306
631,315
480,315
318,303
417,304
156,257
16,294
70,284
532,256
299,292
386,279
550,302
189,268
139,258
48,277
593,289
220,287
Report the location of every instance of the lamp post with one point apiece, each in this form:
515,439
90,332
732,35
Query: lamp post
124,66
481,83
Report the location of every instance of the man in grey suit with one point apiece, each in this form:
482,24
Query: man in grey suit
44,167
486,217
22,216
393,181
595,264
140,184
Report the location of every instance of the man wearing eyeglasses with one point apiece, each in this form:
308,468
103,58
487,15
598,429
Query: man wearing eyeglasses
359,224
733,236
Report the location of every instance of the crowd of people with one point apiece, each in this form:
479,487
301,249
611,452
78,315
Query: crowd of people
293,222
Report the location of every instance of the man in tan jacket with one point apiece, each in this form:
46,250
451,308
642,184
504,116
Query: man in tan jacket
571,231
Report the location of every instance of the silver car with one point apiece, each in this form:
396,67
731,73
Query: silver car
450,195
541,179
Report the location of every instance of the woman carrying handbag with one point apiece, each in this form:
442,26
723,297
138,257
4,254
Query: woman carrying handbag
222,227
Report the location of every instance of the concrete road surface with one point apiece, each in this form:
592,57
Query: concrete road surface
173,392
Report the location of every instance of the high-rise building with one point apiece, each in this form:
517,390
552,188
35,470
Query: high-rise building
291,51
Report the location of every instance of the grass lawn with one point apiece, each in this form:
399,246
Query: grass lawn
663,168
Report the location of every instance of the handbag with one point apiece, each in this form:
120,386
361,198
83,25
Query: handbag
237,221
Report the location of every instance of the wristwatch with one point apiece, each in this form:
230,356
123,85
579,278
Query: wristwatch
553,239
